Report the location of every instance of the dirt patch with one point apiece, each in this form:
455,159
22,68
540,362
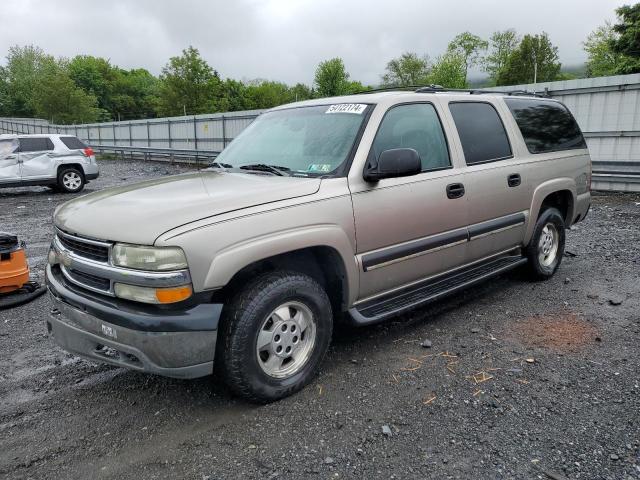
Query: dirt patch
565,332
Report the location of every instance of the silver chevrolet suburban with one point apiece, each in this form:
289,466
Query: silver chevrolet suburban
359,207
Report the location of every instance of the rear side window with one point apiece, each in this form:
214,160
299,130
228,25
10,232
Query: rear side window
481,132
35,144
72,143
414,126
546,126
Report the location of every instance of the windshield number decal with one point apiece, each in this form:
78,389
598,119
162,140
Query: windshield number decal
357,108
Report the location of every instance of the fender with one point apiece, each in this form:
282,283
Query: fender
541,192
232,259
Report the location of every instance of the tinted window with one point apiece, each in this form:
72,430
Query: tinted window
481,132
73,143
546,126
35,144
414,126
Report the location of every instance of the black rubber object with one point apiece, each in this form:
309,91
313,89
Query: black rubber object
536,270
236,349
30,291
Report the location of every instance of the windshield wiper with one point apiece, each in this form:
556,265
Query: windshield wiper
263,167
221,165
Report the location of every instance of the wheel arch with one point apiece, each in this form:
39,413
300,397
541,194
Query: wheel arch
322,252
559,193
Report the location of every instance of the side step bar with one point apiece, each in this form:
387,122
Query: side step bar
381,308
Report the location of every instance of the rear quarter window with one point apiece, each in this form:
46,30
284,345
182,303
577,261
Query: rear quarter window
546,126
73,143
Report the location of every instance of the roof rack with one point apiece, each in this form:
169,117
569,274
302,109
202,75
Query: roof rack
471,91
479,91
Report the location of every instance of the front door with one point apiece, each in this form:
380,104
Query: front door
36,158
410,228
9,161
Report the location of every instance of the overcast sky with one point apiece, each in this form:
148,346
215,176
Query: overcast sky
285,39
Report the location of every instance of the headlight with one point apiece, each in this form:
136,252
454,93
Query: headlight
152,295
149,258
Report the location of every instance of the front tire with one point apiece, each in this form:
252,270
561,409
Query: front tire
274,336
70,180
546,248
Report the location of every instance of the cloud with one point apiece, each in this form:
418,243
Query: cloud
285,39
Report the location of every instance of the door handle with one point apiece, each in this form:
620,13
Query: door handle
514,180
455,190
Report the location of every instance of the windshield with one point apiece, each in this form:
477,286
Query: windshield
306,140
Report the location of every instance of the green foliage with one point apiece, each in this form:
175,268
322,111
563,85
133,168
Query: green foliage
470,48
408,69
188,85
626,43
535,59
450,70
331,78
25,66
57,98
601,59
501,46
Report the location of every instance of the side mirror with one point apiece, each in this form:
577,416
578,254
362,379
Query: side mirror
397,162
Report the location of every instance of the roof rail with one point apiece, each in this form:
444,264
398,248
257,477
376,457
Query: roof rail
472,91
479,91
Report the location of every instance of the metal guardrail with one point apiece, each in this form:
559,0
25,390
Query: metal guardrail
174,154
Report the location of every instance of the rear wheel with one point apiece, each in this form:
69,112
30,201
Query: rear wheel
70,180
546,248
274,336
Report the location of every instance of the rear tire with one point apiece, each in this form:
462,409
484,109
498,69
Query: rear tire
274,336
546,248
70,180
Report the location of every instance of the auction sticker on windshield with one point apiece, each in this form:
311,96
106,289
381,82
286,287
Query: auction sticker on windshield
358,108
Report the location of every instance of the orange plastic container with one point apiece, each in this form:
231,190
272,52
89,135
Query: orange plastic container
14,271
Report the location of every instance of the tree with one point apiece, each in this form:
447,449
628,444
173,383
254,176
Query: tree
535,60
188,84
408,69
502,44
25,66
469,47
331,78
627,42
450,70
601,59
57,98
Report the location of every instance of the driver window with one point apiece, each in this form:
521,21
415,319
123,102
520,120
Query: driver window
414,126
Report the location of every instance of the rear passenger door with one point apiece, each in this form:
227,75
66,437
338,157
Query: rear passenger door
409,228
496,185
36,158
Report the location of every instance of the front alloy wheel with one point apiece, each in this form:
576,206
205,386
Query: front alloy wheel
274,335
286,340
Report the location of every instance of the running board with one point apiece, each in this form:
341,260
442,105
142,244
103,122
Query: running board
381,308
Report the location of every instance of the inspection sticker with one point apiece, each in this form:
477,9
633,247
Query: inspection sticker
347,108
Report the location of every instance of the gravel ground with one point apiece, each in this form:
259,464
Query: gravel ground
522,380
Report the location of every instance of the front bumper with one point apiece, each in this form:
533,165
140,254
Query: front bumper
172,343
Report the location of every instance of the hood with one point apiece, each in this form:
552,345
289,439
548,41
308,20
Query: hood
141,212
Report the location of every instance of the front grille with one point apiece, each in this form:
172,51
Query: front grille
84,249
89,280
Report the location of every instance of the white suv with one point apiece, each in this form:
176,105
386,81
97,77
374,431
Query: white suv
61,162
